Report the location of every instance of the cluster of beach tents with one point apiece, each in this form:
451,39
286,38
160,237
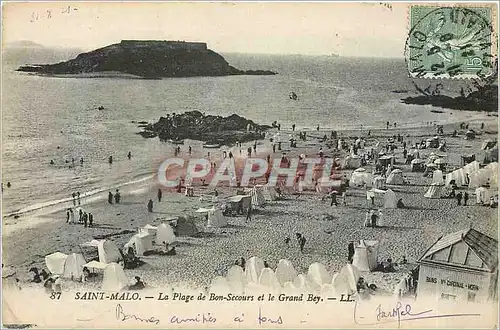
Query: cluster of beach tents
256,279
361,178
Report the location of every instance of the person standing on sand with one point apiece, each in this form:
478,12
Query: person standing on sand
117,196
317,128
85,219
78,197
71,216
466,198
150,206
129,155
91,220
350,249
459,198
249,213
387,125
74,198
333,195
293,128
110,198
67,216
159,195
110,159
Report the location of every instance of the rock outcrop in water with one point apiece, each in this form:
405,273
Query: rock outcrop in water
212,129
148,59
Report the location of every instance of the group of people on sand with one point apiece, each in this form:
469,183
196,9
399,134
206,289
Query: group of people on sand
116,197
50,282
301,241
76,197
87,219
373,219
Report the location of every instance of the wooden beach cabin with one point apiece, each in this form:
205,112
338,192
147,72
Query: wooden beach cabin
461,266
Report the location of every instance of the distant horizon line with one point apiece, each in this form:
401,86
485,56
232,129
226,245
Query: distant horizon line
84,49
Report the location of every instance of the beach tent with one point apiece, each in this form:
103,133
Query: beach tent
485,176
379,182
434,191
386,160
488,144
482,195
352,161
215,218
491,155
240,202
417,165
458,176
185,226
375,193
494,174
470,134
365,255
285,272
73,267
471,167
253,268
395,178
318,275
359,178
437,177
257,197
142,242
346,280
390,199
269,193
165,233
236,279
269,280
114,278
106,250
148,229
55,262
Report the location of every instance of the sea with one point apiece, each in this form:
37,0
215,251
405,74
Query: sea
49,118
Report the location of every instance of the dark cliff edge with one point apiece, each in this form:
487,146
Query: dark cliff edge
195,125
147,59
485,99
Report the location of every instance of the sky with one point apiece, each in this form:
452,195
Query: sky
348,29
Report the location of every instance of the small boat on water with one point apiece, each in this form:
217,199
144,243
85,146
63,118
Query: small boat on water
176,141
211,146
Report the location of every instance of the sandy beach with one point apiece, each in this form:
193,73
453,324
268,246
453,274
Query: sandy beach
198,260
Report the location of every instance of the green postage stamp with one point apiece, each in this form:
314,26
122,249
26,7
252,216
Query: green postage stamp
450,42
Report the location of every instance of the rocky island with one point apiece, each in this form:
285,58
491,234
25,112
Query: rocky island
216,130
150,59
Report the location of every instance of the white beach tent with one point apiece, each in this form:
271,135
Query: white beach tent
148,229
215,218
285,272
269,192
483,195
437,177
114,278
236,279
269,280
73,267
471,167
375,193
318,275
395,178
253,268
434,191
485,176
379,182
346,280
142,242
107,250
55,262
458,176
165,233
351,162
390,201
359,178
365,255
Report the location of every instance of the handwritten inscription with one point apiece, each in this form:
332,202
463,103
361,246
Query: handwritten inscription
49,13
120,315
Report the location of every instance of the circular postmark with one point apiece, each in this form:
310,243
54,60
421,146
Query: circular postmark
450,42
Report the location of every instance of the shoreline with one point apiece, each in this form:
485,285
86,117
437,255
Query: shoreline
39,212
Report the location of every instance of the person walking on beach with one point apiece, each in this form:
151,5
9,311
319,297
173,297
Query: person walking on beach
333,195
189,150
293,128
255,147
466,198
317,128
110,198
74,198
78,197
302,241
159,195
350,249
274,148
459,198
150,206
387,125
249,214
67,216
117,196
110,159
91,220
71,216
85,219
80,216
249,151
129,155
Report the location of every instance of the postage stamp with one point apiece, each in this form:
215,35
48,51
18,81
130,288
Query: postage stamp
450,42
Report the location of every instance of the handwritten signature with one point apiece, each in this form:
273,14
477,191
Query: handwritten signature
401,312
120,315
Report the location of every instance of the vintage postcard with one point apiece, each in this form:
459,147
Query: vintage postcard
249,165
